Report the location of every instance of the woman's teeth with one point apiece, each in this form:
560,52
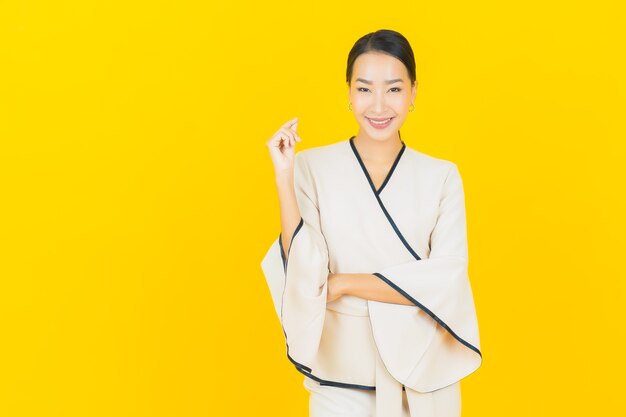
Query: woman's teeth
380,124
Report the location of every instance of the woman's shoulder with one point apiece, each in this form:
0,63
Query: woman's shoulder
427,159
430,165
334,152
325,150
335,156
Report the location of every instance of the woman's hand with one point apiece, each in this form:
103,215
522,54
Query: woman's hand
282,146
335,287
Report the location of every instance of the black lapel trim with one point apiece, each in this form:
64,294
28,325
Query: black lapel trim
409,248
376,194
367,175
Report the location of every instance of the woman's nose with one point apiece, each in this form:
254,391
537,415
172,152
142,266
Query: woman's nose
379,103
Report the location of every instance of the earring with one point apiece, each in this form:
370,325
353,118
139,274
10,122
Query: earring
350,106
413,109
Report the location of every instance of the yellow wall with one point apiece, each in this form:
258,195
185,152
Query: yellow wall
137,195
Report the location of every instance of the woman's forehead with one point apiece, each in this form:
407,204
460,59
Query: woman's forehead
378,68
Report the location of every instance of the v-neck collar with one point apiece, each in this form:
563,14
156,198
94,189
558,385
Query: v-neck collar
367,175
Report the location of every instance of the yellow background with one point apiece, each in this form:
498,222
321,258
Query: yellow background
138,196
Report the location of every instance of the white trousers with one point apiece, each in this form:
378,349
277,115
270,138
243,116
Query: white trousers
330,401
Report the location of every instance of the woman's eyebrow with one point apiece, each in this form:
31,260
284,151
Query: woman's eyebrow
386,82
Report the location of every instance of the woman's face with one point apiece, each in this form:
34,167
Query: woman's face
373,97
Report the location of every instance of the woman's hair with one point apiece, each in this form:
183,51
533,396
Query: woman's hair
386,41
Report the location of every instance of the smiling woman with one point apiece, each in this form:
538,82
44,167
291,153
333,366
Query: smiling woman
369,274
383,67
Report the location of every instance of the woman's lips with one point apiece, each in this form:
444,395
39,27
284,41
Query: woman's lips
380,123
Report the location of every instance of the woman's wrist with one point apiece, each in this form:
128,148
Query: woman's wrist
283,177
343,283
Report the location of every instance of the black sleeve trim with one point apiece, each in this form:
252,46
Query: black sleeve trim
430,313
280,243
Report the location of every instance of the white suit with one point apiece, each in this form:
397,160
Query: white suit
410,233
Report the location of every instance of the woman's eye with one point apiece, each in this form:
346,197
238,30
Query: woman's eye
393,88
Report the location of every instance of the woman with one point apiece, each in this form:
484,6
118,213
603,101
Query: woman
369,275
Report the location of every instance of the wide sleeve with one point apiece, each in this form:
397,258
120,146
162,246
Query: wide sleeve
435,343
298,280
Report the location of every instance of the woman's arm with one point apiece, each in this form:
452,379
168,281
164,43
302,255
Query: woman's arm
283,153
366,286
289,211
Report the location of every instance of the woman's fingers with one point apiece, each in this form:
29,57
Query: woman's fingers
288,134
291,122
292,126
286,131
282,146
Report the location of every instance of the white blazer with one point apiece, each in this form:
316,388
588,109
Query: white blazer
410,233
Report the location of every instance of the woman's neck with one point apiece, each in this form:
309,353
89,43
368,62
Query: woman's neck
378,150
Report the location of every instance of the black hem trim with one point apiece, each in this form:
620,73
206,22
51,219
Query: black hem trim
298,365
339,384
334,383
430,313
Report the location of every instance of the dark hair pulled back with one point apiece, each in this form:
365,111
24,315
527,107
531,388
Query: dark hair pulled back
385,41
